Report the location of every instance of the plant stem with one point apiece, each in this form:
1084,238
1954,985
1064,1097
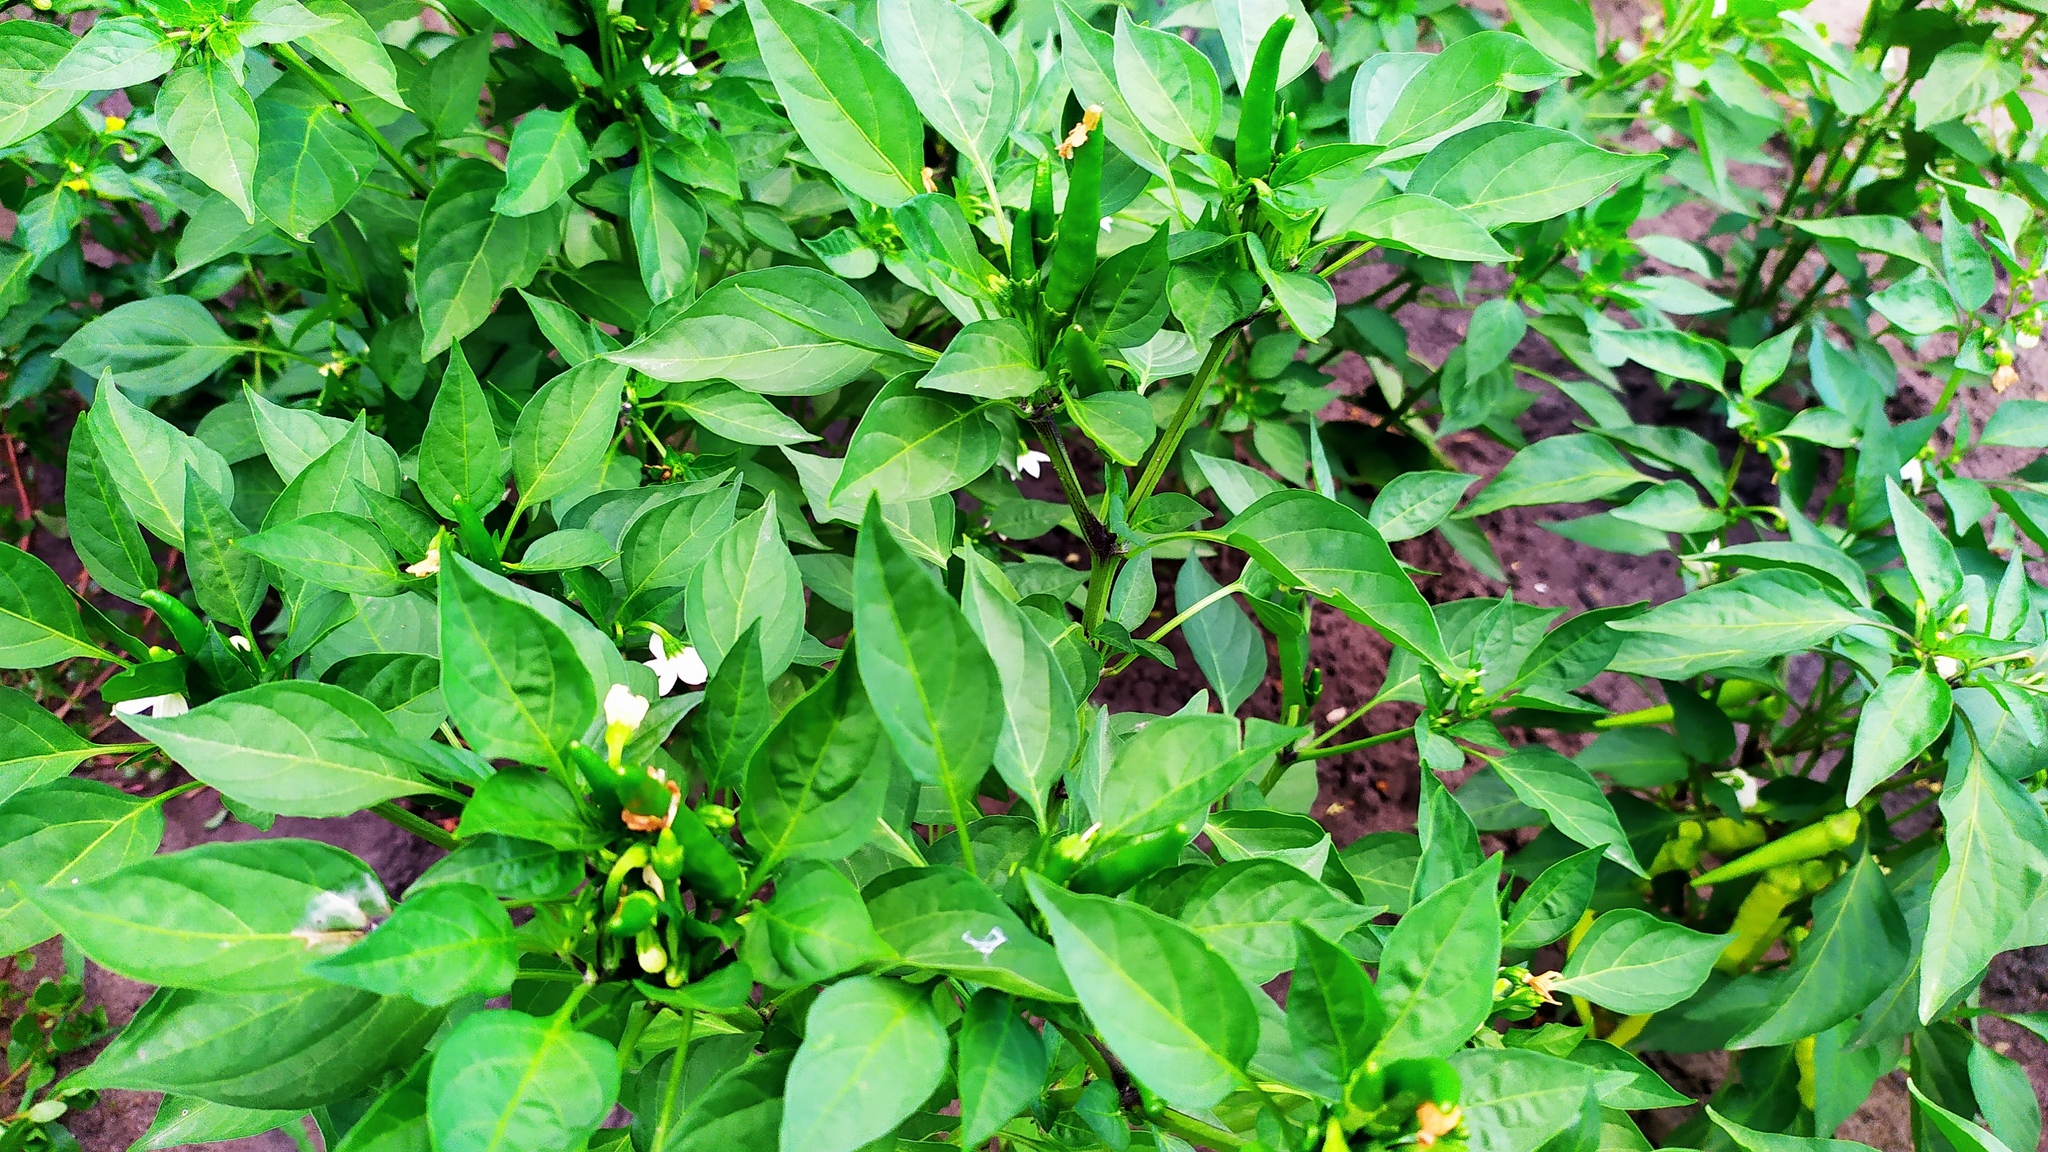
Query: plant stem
1355,745
333,95
1161,632
1196,1132
1097,537
1169,444
419,826
1101,573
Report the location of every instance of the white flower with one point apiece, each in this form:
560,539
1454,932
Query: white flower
1106,221
622,709
1947,667
429,564
241,642
1746,786
685,666
1028,463
2025,339
162,707
1913,474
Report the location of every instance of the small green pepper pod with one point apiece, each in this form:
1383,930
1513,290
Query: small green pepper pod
1256,109
186,628
1086,373
710,870
1045,216
667,856
1115,870
1426,1079
477,542
1816,839
634,915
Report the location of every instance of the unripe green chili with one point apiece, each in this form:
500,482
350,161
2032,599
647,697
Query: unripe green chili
1116,870
1072,263
1023,256
1044,214
1726,837
185,627
1681,853
601,778
1425,1078
1290,134
667,856
648,951
476,540
1817,839
708,867
1084,364
1255,110
629,861
1756,920
634,915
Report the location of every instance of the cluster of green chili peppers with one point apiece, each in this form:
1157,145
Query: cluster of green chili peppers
676,849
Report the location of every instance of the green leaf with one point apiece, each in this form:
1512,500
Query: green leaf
1514,173
814,928
1307,300
1120,423
778,331
242,917
298,1047
330,482
741,417
564,432
1887,234
1171,1009
1465,84
988,359
1171,770
310,163
1633,962
348,44
1858,946
459,452
288,747
156,346
504,1081
815,784
873,1050
530,805
29,50
935,689
61,833
1517,1100
1244,23
209,124
293,438
1752,1140
514,682
1930,558
148,459
1416,223
1306,539
117,52
103,532
1002,1065
668,229
1997,871
1680,355
1088,56
1171,87
748,576
547,155
1568,469
1903,718
1247,912
1040,731
1746,621
227,580
1554,902
1225,643
514,870
39,623
946,920
448,941
959,74
183,1120
1333,1012
665,545
913,447
469,254
1544,779
1563,30
1437,969
1415,502
1960,80
854,115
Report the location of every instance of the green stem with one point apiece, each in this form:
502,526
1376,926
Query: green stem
1198,1133
1169,444
333,95
422,828
1100,542
1101,573
1163,630
1355,745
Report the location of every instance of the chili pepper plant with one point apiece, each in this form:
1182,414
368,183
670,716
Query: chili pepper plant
697,465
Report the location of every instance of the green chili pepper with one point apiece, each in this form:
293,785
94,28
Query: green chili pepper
1044,216
1065,857
185,627
1085,370
1290,134
1726,837
1072,263
1123,865
601,778
709,868
629,861
1023,261
1681,853
1757,920
648,951
643,793
477,542
634,915
667,856
1817,839
1255,111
